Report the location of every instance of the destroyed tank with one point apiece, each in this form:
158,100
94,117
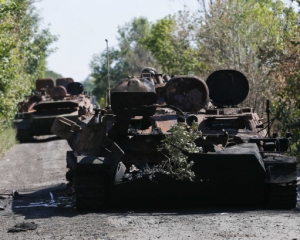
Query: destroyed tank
115,152
38,111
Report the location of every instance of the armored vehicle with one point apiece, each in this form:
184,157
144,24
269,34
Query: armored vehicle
115,154
38,111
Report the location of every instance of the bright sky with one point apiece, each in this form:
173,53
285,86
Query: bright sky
83,26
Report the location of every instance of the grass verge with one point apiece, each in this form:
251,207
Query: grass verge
7,140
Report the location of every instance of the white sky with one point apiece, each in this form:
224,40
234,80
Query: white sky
83,26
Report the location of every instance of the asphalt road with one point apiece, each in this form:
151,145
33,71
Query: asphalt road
37,172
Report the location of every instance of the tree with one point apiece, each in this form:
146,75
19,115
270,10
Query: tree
170,40
23,51
231,34
133,56
89,84
52,74
100,73
286,74
128,59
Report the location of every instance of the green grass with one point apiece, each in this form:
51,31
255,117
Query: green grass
7,140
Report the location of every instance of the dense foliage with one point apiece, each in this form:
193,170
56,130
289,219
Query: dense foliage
170,40
286,105
23,51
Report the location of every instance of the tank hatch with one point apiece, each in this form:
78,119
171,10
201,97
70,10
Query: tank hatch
227,87
188,93
134,94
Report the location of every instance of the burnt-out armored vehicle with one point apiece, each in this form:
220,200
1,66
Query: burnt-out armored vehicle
37,112
115,154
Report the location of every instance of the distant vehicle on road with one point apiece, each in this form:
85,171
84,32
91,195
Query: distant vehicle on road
37,112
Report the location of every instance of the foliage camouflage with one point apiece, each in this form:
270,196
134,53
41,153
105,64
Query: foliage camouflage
178,141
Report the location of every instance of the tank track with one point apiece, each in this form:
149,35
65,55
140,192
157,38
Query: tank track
282,196
89,188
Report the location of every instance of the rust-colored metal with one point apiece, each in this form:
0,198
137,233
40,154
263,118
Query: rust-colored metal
65,128
189,93
44,84
58,93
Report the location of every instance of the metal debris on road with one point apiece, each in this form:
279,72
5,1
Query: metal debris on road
52,198
16,194
20,227
37,205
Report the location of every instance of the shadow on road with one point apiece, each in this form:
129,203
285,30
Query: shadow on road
44,203
57,201
47,138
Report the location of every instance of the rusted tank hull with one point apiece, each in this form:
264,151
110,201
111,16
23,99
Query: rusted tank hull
37,113
40,124
219,181
224,179
237,177
163,191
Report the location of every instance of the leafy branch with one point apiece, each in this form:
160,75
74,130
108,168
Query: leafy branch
180,139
